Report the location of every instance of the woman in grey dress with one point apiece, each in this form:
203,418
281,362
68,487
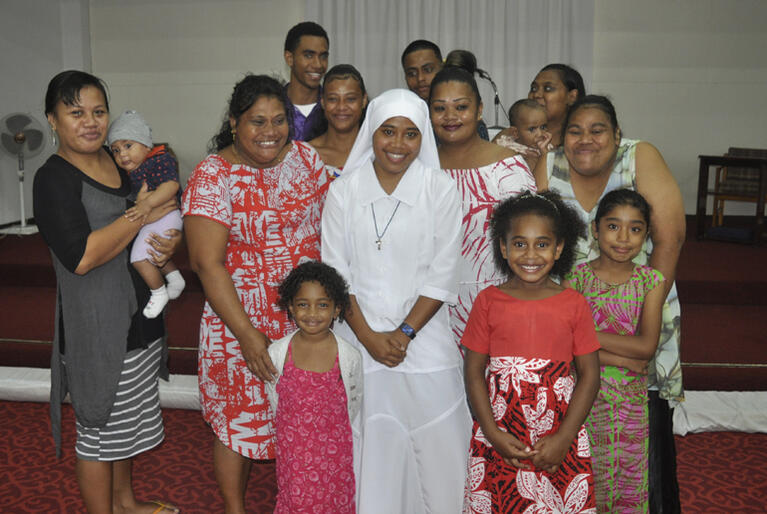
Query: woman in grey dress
106,355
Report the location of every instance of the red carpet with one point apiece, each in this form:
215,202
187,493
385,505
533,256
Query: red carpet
180,470
721,472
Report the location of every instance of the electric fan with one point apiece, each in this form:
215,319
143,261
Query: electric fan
21,136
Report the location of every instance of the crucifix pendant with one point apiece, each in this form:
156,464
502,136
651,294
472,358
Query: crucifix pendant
378,242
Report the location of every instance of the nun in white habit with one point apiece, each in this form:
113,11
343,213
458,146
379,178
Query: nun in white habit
392,227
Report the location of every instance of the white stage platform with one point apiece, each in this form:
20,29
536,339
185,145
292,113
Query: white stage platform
702,411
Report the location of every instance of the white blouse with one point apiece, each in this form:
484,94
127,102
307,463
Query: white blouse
419,255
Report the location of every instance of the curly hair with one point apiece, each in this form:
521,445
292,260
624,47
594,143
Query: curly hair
565,223
314,271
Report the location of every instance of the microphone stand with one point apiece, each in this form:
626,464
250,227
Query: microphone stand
496,100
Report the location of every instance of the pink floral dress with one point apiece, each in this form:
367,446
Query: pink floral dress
314,442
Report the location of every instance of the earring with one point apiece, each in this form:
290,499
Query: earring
234,135
53,136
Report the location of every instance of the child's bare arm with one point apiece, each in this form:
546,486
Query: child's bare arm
148,200
552,448
509,447
607,358
164,192
645,342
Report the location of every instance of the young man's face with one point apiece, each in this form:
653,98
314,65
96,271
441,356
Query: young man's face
420,68
309,61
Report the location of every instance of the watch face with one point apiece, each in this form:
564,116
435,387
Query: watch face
407,330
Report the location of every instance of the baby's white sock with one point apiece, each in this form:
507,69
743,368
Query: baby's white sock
176,284
156,302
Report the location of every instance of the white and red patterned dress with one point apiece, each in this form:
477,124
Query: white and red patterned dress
273,216
481,189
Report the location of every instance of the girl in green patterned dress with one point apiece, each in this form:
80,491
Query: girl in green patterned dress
626,304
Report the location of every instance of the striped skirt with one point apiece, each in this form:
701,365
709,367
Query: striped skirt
135,424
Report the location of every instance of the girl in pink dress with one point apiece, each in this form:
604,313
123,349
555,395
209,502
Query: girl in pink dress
316,396
529,451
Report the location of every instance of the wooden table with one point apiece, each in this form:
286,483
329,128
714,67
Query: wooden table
706,161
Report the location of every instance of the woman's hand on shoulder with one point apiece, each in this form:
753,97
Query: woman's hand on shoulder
504,137
254,351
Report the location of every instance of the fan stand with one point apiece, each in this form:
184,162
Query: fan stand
23,228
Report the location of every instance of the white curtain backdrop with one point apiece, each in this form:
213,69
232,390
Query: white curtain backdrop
512,39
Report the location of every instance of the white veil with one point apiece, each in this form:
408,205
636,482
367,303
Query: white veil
389,104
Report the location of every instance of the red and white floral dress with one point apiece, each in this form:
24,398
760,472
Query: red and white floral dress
273,216
531,344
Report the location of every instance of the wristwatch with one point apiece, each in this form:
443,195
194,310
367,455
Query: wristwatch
407,330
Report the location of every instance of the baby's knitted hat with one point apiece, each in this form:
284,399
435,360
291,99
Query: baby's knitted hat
132,126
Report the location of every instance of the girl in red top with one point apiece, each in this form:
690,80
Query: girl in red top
529,451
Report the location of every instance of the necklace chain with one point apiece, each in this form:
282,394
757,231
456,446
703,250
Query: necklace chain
375,223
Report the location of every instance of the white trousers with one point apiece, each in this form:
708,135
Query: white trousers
415,443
